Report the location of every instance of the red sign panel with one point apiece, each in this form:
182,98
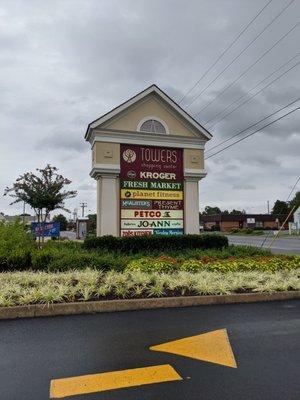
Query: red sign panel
148,163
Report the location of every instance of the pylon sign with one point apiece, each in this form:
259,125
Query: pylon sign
151,190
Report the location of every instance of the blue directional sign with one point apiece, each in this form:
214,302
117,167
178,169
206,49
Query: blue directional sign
51,229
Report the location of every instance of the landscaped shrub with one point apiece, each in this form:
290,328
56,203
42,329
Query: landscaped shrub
42,258
247,231
192,265
136,244
161,264
215,228
270,264
16,245
64,259
18,259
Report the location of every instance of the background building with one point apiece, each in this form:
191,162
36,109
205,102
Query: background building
226,222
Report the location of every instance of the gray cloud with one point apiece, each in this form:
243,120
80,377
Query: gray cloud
64,63
62,142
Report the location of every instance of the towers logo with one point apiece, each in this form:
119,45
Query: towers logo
129,156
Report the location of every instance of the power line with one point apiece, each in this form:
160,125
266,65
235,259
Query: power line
224,52
255,94
250,90
251,126
251,134
241,52
293,188
252,65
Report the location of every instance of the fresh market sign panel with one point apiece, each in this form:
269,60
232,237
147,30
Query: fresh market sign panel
151,190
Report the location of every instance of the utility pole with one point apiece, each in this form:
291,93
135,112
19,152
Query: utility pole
268,206
75,214
83,205
23,213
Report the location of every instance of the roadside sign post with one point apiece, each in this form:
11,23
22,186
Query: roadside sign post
147,159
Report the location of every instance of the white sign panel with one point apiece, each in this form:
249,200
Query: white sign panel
151,223
152,214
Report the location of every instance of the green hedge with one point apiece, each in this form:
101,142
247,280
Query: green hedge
16,245
137,244
51,259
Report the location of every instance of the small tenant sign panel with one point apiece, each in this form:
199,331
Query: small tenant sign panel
151,190
51,229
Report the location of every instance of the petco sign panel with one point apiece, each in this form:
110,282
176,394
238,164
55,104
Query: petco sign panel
151,190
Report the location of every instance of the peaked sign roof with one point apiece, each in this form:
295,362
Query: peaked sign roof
138,97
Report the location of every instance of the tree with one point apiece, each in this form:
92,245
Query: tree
236,212
92,222
44,192
280,207
295,202
62,221
211,210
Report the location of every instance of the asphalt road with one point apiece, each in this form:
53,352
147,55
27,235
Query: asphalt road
282,245
264,338
68,234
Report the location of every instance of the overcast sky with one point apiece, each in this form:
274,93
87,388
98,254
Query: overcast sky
65,63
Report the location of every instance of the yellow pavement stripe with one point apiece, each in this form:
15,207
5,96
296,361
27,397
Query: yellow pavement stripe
112,380
212,346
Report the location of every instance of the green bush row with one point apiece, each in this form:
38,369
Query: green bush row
70,255
137,244
49,259
18,251
55,259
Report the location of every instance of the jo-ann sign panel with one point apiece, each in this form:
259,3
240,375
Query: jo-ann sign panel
151,186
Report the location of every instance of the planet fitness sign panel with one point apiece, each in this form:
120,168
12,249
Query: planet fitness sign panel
151,190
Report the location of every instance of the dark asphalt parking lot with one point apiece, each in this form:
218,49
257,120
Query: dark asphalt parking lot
265,339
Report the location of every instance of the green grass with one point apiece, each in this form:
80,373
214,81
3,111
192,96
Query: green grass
23,288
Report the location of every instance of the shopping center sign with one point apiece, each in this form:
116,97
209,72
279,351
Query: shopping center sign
151,190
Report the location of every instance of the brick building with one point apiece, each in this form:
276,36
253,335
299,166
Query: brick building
226,222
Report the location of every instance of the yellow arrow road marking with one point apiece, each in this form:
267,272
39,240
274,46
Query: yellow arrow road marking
112,380
212,346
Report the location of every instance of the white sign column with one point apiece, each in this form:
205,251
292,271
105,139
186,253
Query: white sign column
191,205
108,204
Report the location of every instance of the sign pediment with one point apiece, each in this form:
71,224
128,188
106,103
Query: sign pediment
152,104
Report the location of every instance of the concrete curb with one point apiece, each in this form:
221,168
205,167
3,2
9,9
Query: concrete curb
41,310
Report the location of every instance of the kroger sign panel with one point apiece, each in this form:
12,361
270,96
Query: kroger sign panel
151,190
